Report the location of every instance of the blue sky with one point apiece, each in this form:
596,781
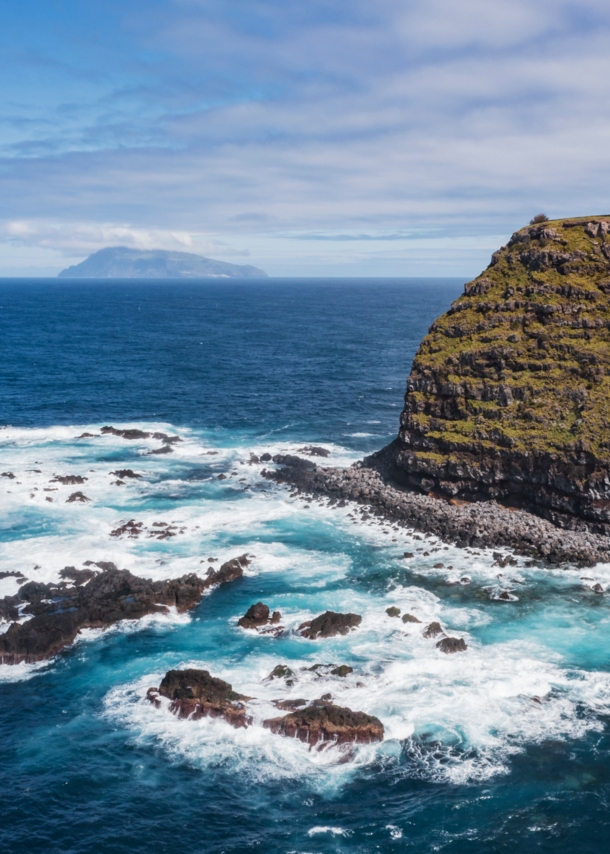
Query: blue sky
308,138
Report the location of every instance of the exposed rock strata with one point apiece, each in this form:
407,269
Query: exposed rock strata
509,393
477,524
59,612
196,694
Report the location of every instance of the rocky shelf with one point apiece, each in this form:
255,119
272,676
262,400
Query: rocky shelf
478,524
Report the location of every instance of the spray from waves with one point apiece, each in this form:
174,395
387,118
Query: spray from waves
253,753
454,718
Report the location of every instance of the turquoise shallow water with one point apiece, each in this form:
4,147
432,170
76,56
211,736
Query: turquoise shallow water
501,748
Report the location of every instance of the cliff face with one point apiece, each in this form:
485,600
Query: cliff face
509,394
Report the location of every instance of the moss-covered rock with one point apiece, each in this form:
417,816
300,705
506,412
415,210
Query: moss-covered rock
509,393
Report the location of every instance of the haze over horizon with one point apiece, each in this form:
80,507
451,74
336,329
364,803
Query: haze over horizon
403,139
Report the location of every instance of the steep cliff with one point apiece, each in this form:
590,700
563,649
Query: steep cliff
509,393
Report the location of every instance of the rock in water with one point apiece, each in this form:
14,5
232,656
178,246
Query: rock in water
450,645
196,694
329,624
325,722
509,393
258,615
58,613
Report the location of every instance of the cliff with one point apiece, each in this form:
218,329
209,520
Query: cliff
509,393
119,262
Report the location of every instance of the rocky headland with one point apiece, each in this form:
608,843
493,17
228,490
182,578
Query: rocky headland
505,433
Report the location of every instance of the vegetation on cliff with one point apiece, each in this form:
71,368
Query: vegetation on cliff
509,393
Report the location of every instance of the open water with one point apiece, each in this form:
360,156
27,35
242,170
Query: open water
503,748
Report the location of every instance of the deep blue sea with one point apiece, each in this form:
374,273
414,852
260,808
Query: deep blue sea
503,748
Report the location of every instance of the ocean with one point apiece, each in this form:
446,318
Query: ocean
502,748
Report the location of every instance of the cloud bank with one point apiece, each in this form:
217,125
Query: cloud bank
395,138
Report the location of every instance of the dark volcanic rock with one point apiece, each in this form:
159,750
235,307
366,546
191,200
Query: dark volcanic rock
433,630
450,645
373,484
134,434
77,496
342,671
196,694
78,576
329,624
58,612
314,451
68,479
282,671
258,615
393,611
409,618
325,722
123,473
508,394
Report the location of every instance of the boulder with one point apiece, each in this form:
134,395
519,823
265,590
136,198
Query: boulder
329,624
409,618
393,611
257,616
282,671
324,722
196,694
450,645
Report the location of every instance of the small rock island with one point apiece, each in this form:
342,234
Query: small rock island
120,262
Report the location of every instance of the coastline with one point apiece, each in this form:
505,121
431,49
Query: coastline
482,524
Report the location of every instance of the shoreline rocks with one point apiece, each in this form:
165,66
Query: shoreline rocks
323,722
507,398
195,694
482,524
329,624
257,616
58,612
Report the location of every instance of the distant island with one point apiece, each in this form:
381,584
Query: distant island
120,262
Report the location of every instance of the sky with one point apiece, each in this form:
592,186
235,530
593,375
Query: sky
310,138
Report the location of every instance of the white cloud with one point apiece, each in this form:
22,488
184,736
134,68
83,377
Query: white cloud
445,117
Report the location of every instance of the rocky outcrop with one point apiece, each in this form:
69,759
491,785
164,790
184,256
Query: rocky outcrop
372,484
196,694
58,612
258,616
133,434
451,645
324,722
509,393
329,624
